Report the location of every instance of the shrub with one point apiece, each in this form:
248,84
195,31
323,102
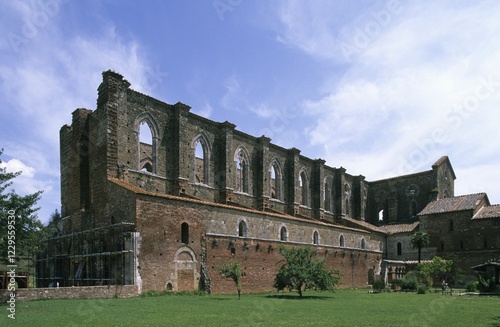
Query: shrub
486,284
421,289
471,286
378,284
409,282
395,283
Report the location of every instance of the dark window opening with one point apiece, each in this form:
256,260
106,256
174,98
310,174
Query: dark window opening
413,209
242,229
347,213
283,234
328,197
399,249
185,233
148,167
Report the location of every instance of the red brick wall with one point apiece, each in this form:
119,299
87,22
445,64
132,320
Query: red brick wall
261,265
159,221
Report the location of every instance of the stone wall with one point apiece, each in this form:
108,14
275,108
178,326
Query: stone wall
455,235
87,292
167,261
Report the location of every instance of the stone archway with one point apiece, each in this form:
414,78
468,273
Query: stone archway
186,273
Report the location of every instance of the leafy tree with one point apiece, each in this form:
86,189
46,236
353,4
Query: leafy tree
232,270
420,240
51,229
299,271
20,212
438,270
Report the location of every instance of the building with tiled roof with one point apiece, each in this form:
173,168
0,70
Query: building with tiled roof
456,203
465,227
156,196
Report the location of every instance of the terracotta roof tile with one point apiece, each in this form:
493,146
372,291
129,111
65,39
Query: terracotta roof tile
138,190
456,203
386,229
399,228
488,212
362,224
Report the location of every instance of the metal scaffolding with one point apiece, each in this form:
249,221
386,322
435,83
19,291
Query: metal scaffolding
98,256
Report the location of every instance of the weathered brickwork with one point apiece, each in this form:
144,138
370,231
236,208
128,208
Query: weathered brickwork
156,196
27,294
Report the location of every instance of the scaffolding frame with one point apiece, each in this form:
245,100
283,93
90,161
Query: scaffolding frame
97,256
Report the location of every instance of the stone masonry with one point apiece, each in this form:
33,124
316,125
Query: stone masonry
156,196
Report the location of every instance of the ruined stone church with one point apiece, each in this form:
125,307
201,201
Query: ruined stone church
156,196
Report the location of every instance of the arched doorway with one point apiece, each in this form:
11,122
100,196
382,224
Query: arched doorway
186,269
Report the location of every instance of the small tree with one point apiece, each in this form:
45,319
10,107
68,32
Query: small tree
420,240
437,270
232,270
299,271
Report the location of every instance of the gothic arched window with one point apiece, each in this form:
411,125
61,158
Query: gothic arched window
242,229
275,180
283,234
242,170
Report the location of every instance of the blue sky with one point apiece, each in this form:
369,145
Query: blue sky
381,88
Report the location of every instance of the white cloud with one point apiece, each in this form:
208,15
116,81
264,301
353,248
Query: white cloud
26,182
47,78
410,94
15,165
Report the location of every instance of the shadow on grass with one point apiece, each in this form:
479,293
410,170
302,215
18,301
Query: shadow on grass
297,297
224,299
496,322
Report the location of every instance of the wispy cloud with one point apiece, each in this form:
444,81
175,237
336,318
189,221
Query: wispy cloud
402,101
49,78
204,111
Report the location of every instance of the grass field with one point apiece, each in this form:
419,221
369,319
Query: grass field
342,308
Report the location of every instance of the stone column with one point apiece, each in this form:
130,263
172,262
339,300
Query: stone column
225,162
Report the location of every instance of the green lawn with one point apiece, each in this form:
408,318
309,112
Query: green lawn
342,308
